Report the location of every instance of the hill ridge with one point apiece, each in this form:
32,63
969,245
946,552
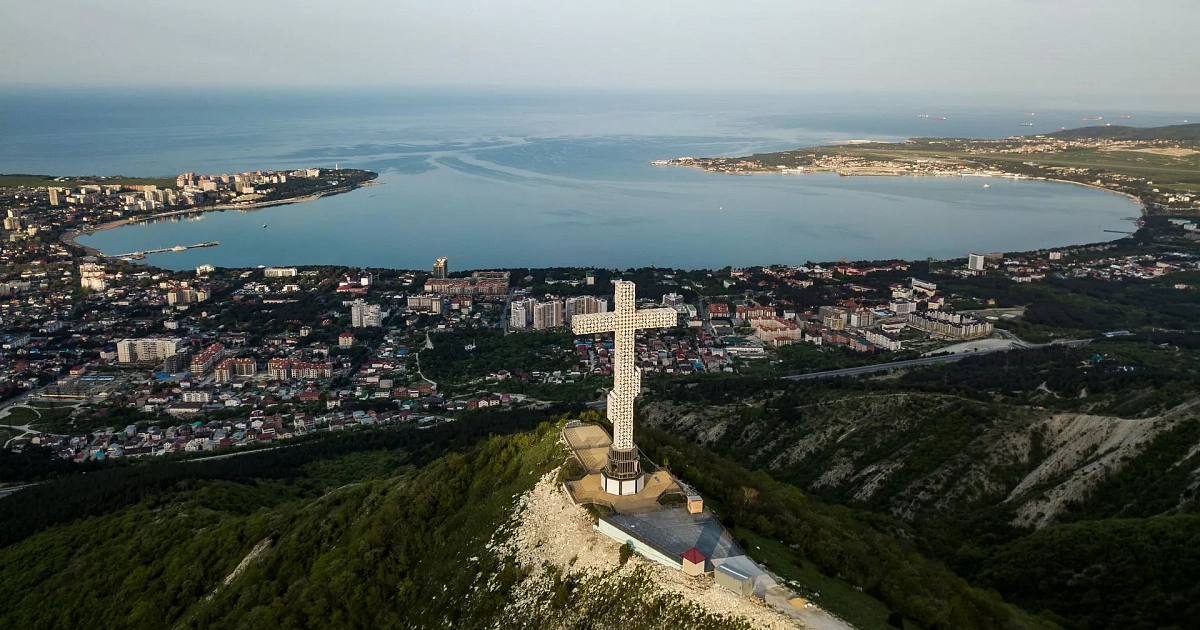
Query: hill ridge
1189,132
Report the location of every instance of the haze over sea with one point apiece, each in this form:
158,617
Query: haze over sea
506,179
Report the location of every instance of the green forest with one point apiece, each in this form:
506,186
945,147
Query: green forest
376,529
389,528
1123,556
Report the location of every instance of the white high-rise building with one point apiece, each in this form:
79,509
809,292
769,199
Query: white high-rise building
91,276
548,315
585,305
975,262
135,350
520,314
182,295
363,315
672,299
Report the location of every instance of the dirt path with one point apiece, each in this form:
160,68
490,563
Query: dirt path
23,428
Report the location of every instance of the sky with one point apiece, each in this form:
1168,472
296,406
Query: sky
1142,51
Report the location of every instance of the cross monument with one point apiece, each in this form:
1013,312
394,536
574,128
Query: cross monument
623,473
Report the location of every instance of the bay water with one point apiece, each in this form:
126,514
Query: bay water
512,179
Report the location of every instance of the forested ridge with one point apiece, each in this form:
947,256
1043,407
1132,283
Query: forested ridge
384,529
1125,132
1064,479
388,527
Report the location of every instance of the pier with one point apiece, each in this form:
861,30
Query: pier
177,248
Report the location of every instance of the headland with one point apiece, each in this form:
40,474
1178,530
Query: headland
1158,166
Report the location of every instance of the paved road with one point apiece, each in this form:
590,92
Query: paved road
947,358
7,491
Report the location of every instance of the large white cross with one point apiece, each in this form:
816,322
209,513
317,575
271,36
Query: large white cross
625,320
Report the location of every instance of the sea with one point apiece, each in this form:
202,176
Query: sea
506,178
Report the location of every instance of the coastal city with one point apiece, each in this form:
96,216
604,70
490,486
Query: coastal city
70,207
102,357
380,315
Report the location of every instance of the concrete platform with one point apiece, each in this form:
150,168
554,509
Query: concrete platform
589,490
675,530
590,444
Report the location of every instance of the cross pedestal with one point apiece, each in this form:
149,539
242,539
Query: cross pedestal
623,473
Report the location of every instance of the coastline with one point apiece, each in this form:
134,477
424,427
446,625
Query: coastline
68,237
1140,202
885,173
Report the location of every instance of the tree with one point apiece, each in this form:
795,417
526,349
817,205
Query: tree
625,553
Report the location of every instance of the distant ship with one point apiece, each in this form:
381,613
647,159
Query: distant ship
264,225
1124,117
1026,124
1031,114
1093,118
987,185
940,118
922,115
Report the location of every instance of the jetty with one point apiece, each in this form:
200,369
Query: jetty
161,250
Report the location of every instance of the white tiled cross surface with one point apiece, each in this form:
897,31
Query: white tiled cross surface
625,320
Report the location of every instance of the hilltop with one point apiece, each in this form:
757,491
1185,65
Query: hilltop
1184,133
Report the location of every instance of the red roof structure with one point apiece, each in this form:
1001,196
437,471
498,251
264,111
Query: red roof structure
694,556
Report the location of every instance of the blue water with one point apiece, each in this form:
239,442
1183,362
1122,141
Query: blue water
545,179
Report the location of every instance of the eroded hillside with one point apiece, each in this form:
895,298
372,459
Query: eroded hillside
923,454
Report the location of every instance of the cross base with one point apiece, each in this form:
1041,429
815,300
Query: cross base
622,487
623,474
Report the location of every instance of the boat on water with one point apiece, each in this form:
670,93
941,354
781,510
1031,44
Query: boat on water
1031,114
940,118
264,225
1124,117
1026,124
1093,118
922,115
987,185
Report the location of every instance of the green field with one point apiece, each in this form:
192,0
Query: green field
52,417
44,181
19,416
